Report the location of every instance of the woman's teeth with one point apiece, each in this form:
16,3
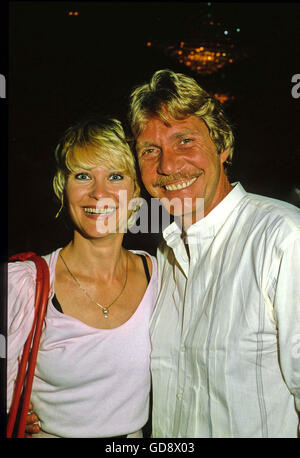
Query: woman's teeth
181,185
99,211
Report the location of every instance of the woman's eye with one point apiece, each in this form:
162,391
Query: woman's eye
116,177
82,176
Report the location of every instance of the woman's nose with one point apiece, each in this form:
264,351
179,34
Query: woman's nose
98,189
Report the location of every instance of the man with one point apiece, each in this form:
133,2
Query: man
226,328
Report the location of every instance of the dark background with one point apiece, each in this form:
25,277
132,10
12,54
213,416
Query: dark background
63,67
60,68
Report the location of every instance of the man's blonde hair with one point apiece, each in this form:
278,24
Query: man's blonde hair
176,96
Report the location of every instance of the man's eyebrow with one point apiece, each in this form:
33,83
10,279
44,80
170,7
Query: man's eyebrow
184,132
145,144
180,134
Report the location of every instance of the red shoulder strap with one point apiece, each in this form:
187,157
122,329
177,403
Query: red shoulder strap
25,380
22,256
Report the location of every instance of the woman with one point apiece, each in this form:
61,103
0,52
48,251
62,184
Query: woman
92,376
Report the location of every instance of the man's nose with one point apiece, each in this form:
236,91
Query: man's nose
169,162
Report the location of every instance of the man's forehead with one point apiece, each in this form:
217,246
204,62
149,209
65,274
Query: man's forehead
174,128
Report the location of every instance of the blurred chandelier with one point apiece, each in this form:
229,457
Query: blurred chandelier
205,45
205,58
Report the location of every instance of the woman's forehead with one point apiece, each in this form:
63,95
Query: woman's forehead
91,158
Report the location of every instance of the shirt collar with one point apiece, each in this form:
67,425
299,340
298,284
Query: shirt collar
208,226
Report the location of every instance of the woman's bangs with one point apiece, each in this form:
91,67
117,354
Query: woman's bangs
89,158
85,158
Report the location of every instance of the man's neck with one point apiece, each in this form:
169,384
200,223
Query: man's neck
187,221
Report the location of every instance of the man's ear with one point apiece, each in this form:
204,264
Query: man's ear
224,155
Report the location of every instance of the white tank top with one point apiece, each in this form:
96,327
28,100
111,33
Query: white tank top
90,382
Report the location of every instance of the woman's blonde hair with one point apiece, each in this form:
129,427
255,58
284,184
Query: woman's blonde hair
110,148
176,96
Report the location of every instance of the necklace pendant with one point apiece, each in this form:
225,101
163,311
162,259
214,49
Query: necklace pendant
104,309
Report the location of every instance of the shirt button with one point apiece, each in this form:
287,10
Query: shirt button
182,348
179,395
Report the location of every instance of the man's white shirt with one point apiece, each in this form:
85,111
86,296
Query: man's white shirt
226,328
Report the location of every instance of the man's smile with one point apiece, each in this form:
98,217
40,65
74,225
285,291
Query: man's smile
180,185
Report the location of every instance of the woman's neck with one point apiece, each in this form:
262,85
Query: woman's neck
100,258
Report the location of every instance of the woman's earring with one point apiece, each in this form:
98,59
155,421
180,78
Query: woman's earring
59,211
137,201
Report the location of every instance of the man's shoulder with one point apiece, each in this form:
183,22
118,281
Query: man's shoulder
272,212
272,205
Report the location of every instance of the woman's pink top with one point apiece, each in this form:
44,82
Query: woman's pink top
88,382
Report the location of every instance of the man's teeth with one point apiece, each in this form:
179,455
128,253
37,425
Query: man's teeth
99,211
182,185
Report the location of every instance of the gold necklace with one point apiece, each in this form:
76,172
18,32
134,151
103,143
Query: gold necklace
104,309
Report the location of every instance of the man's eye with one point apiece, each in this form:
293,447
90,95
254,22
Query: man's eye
185,140
82,176
116,177
146,152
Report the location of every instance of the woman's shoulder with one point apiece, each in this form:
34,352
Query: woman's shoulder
21,273
21,286
20,293
24,272
151,260
143,253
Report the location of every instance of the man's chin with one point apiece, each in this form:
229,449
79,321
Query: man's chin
184,208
